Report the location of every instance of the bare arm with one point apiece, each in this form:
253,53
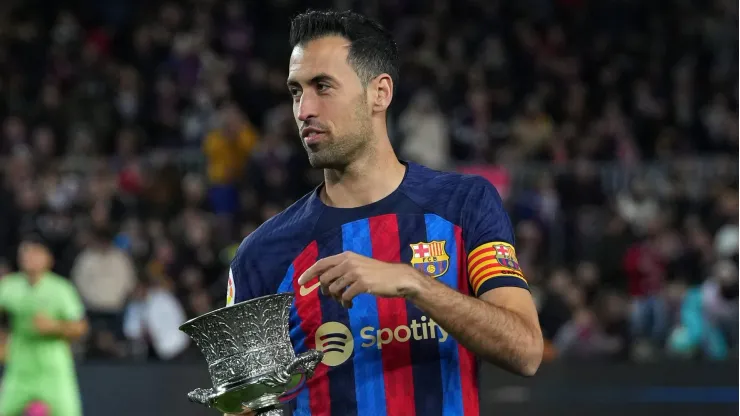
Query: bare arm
73,330
501,326
69,330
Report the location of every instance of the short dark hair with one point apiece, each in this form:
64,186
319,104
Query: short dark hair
372,49
35,238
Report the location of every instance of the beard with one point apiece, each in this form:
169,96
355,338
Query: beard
337,152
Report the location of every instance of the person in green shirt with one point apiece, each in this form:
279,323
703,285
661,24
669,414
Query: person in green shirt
45,315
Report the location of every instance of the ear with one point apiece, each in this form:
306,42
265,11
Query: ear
383,88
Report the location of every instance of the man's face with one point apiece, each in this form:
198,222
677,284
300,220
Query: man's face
329,103
232,120
34,258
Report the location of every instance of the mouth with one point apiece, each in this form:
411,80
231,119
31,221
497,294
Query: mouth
311,135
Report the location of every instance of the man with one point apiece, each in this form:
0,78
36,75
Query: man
45,314
105,277
227,151
708,317
416,268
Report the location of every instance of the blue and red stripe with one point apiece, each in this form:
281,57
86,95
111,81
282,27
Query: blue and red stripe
368,366
425,356
441,229
469,381
396,356
308,312
341,377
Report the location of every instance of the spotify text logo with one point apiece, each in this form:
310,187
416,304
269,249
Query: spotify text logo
416,331
336,342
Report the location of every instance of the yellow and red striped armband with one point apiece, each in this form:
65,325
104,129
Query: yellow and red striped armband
494,265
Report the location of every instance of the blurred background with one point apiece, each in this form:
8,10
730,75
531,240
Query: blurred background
146,139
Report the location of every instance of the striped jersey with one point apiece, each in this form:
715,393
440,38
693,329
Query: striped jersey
384,356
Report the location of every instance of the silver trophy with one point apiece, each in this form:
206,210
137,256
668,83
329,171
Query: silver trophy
250,357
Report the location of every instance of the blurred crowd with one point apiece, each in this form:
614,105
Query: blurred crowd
145,140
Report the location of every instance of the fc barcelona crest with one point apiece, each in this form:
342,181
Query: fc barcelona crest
430,258
506,256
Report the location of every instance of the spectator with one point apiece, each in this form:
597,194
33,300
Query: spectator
153,318
638,207
709,317
105,277
227,150
583,338
424,129
554,310
645,268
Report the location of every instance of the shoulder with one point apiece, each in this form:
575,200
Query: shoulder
449,194
468,201
248,133
212,139
11,279
83,256
294,223
11,285
263,257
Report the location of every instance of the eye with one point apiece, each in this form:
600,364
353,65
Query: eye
322,87
295,92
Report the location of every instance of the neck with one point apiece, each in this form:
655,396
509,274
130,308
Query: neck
34,277
368,179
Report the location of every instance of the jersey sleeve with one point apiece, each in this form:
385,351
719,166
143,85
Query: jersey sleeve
489,240
245,280
71,308
258,267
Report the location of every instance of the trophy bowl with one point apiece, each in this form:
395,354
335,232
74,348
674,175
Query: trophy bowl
250,358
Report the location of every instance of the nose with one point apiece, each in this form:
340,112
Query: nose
306,108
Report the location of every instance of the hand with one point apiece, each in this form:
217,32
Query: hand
347,275
45,325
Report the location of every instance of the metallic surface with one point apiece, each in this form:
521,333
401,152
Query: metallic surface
249,354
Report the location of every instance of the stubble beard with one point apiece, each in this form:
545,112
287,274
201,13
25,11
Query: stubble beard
338,152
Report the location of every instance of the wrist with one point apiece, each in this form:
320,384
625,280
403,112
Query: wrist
58,328
414,283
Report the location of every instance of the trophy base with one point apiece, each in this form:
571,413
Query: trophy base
259,397
265,405
273,412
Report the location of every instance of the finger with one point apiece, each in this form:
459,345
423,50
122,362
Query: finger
320,267
329,276
339,285
351,292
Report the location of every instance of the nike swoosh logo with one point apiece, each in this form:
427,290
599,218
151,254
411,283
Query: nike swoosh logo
305,291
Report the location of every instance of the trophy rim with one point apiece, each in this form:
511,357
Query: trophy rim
190,322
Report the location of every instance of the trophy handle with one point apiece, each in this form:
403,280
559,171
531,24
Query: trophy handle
201,396
305,363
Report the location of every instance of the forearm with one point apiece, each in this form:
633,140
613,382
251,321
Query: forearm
498,335
71,330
